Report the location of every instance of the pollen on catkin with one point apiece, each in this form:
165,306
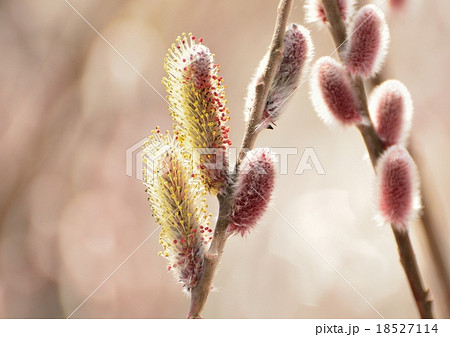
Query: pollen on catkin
391,108
316,13
397,184
178,205
368,42
197,102
332,95
298,52
254,190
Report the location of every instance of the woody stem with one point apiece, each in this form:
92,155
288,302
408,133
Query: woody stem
199,294
375,148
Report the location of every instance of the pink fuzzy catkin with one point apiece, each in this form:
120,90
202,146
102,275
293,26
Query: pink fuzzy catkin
397,188
315,12
391,108
254,190
298,52
332,95
368,42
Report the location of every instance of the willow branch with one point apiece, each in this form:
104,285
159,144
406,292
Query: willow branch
409,263
429,224
375,148
199,294
263,83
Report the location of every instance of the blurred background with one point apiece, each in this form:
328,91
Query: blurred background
70,107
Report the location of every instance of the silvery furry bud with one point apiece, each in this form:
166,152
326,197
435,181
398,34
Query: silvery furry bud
391,108
368,42
298,52
397,188
254,190
332,95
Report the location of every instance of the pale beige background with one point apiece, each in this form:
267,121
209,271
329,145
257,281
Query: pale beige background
69,215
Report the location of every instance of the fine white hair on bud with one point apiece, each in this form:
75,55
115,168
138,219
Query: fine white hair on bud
397,184
391,108
254,191
316,13
251,89
297,55
332,95
368,42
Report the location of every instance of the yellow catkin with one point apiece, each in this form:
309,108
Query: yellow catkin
197,101
177,202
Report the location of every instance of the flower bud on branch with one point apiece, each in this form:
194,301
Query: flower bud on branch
298,52
368,42
391,107
397,188
332,95
254,190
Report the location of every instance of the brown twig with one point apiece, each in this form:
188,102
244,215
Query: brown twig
263,83
409,263
200,293
375,148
